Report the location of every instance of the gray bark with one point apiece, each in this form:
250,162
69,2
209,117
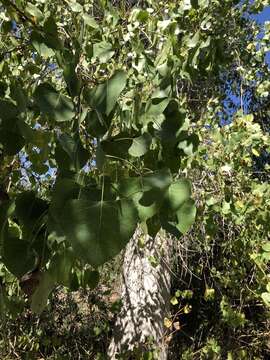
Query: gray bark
145,298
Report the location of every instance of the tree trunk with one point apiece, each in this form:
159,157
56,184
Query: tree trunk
145,298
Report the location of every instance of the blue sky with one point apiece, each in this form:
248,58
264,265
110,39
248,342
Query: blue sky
234,97
260,19
263,16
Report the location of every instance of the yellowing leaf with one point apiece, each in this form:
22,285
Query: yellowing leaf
255,152
174,300
187,309
167,323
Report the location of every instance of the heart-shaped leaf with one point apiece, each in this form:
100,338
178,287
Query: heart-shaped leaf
98,230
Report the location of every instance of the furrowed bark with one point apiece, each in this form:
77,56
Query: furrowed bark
145,298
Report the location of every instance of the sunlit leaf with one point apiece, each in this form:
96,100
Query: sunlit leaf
186,216
140,145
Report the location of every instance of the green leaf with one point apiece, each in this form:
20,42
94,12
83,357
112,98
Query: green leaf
174,300
140,145
11,139
154,111
54,104
103,51
186,216
97,124
160,179
39,138
266,246
104,97
30,209
18,256
39,44
193,42
147,192
189,145
90,21
98,230
34,11
8,110
178,193
61,266
64,190
91,278
75,6
148,203
40,297
73,147
266,298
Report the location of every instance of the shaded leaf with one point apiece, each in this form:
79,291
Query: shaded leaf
8,110
147,192
53,103
11,139
91,278
18,256
97,124
73,147
104,96
40,296
30,209
64,190
61,265
98,230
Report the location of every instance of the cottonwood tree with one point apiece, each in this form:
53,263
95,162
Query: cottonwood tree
108,96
